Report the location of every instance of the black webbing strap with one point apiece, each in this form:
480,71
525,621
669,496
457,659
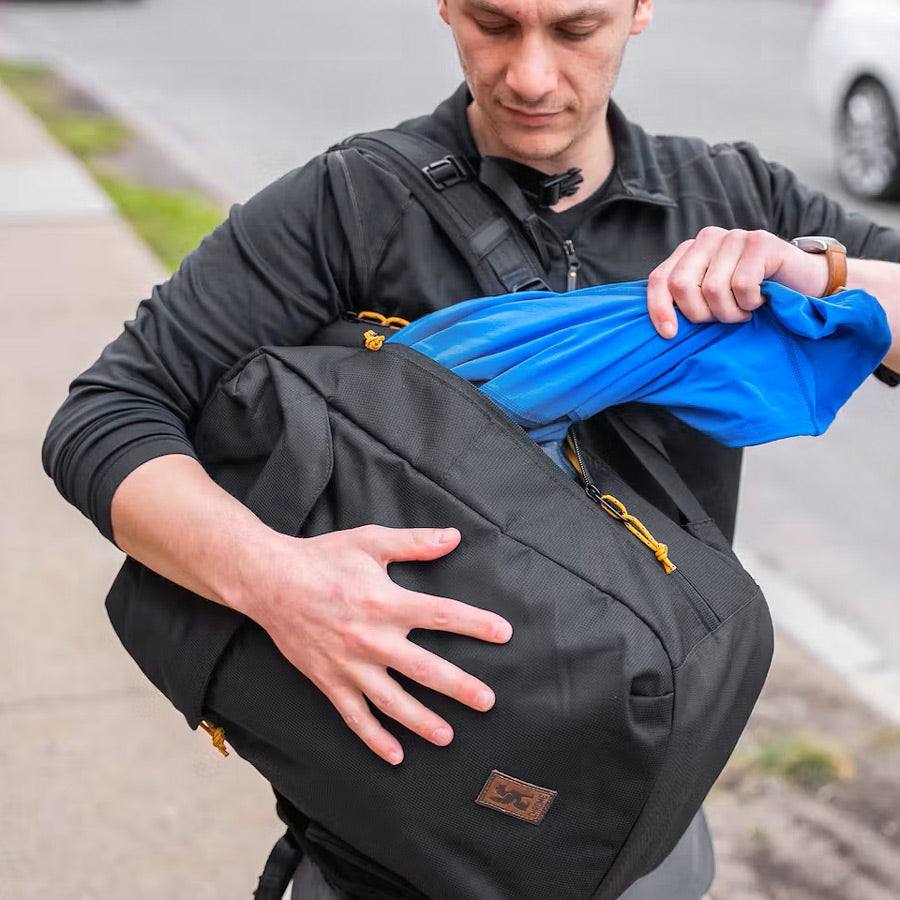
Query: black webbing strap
279,869
640,435
494,175
499,255
886,375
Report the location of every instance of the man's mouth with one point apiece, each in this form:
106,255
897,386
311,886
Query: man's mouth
531,118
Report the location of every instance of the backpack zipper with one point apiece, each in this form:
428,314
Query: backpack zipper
573,264
617,510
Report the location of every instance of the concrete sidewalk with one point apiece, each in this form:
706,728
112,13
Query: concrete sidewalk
104,791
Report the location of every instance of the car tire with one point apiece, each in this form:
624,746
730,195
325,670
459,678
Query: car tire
868,142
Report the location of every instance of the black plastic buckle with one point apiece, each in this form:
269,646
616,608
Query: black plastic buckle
532,284
446,172
553,189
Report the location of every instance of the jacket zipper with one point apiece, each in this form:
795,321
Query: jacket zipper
573,264
706,613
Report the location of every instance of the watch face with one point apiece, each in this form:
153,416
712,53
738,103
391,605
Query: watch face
817,243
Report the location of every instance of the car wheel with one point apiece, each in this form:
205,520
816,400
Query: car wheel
868,144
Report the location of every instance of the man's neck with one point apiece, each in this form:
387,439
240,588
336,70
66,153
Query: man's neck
594,155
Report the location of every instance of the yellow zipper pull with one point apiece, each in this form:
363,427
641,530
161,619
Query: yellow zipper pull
617,510
615,507
373,340
217,735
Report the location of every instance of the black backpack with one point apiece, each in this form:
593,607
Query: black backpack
623,691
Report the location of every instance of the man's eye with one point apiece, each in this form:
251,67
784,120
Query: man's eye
492,29
576,35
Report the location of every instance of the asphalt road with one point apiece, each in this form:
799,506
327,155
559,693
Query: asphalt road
254,89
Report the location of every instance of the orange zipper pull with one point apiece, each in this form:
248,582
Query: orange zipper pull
373,340
614,507
217,735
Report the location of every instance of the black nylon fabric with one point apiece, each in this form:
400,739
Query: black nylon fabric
612,692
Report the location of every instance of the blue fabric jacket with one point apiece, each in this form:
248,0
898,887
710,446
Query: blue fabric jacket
551,359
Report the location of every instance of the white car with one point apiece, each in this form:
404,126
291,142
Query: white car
855,80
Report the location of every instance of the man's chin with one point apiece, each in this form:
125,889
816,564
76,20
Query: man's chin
531,145
535,148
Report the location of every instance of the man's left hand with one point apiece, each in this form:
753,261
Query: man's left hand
716,276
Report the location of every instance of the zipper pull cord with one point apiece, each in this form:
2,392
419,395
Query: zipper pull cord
573,264
617,510
615,507
389,321
217,735
373,340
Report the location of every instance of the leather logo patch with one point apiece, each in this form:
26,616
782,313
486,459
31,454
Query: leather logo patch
515,797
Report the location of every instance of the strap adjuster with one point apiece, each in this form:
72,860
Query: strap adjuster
445,172
531,284
553,188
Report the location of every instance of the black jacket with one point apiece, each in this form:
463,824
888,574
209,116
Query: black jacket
279,267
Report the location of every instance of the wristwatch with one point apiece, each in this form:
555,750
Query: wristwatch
835,254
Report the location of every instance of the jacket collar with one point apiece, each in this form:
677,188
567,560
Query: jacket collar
637,173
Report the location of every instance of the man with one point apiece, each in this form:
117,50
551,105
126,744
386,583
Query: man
706,223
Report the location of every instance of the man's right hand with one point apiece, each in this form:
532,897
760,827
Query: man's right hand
332,610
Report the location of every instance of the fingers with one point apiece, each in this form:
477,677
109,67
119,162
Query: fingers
353,709
388,696
686,277
445,614
717,287
660,303
400,544
437,673
364,634
714,277
752,269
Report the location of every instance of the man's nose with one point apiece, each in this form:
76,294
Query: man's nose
531,73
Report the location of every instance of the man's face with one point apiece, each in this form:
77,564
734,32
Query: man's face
541,71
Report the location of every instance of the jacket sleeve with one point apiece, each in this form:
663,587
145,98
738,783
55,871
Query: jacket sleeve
272,273
793,209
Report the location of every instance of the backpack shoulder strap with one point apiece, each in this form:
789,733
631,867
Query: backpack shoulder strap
445,184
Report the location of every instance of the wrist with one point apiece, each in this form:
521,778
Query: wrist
817,281
806,273
823,253
248,581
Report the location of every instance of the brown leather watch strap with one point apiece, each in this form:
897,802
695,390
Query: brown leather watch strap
837,269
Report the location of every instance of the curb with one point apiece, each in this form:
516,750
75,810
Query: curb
833,642
209,178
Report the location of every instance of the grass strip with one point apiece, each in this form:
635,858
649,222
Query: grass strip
171,221
803,759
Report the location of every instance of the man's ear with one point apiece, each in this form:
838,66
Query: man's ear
643,16
442,11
